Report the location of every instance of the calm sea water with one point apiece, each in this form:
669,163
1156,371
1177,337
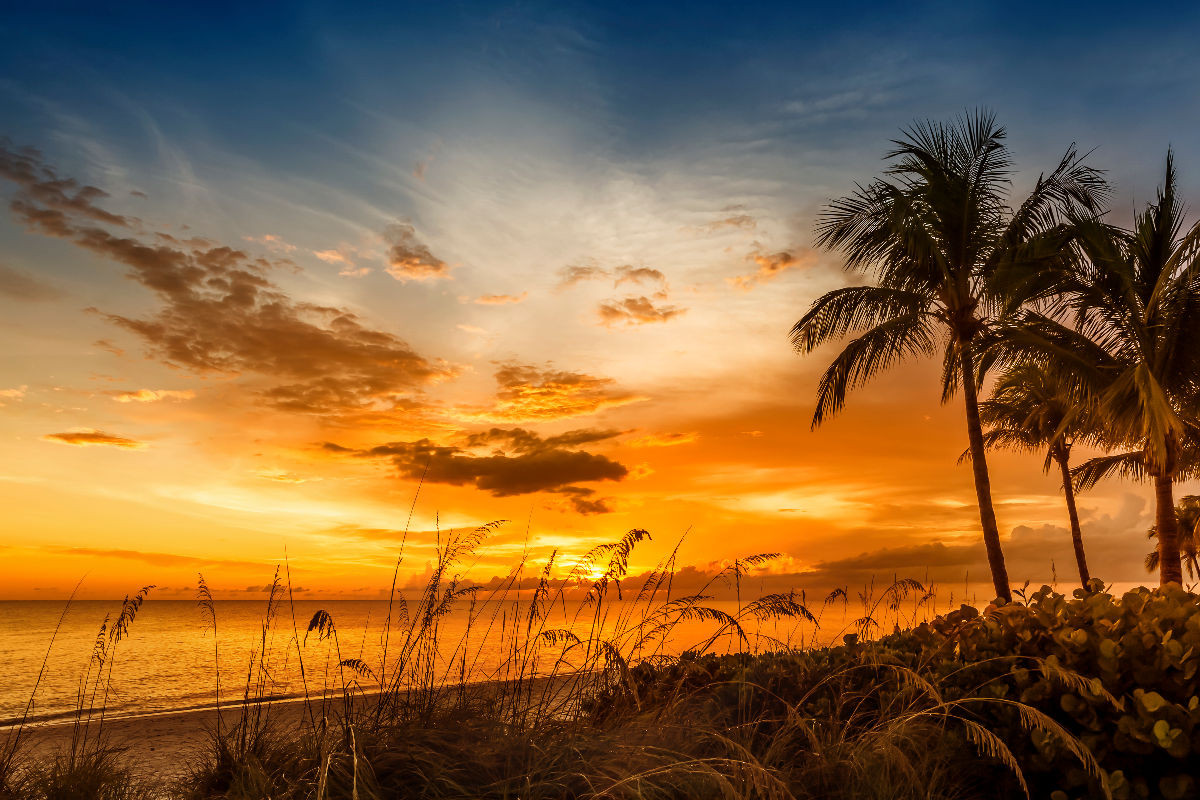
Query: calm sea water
166,662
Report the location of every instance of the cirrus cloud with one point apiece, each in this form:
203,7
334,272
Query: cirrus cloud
151,395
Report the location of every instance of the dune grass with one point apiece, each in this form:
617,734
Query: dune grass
592,698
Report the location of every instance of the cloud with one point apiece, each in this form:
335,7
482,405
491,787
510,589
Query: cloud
636,311
638,275
626,273
282,476
343,257
771,266
631,310
1113,542
332,256
272,242
518,461
152,395
105,344
569,276
527,393
219,312
14,394
155,559
93,438
583,501
20,285
409,259
664,439
500,299
48,201
740,221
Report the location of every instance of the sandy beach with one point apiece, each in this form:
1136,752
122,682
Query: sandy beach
161,745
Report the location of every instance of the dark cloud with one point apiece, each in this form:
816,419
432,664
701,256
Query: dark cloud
409,259
518,461
584,501
526,392
220,312
48,201
1115,544
20,285
89,438
636,311
519,440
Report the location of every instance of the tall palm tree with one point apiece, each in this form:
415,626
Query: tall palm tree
1187,513
1135,344
949,258
1035,409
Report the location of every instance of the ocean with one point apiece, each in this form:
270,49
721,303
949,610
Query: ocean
166,662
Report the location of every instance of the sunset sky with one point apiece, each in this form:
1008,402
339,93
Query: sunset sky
259,268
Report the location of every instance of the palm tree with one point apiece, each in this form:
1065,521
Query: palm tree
949,258
1035,409
1135,298
1188,515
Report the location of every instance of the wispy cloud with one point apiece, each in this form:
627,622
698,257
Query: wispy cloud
501,299
20,285
90,437
664,439
272,242
151,395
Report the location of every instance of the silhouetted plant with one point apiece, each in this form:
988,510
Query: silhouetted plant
949,259
1187,513
1033,409
1132,311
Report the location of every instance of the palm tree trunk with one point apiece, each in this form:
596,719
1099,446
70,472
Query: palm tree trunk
983,484
1076,534
1170,569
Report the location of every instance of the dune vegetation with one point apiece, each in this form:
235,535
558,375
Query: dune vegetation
1077,332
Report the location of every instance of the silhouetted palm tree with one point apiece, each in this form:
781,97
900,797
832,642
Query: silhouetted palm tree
1187,514
1035,410
1135,345
949,258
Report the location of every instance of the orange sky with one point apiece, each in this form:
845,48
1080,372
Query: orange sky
195,382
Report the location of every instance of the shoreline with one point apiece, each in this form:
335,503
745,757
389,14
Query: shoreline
161,744
164,744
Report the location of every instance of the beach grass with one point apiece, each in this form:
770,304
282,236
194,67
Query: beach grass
593,697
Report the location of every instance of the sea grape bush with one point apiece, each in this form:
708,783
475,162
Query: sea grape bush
1119,673
1139,709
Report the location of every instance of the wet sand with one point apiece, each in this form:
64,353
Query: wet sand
161,746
